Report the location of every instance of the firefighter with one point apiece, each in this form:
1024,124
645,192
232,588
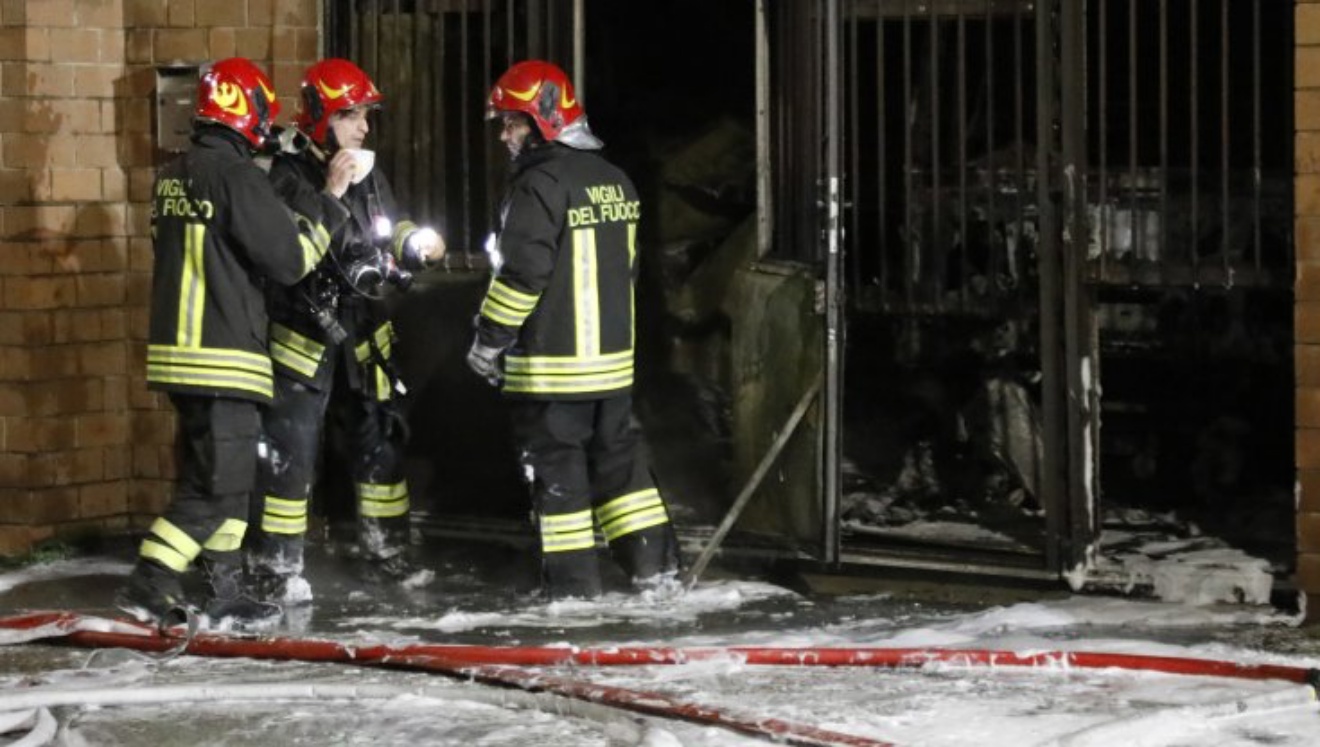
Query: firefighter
556,332
219,232
330,335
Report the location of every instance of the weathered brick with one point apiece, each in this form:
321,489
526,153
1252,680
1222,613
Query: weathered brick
1308,532
254,43
222,42
38,221
96,81
49,505
55,115
221,14
101,14
13,44
51,13
30,435
15,363
138,45
114,184
152,427
101,289
103,499
116,388
182,13
1307,67
110,359
16,540
149,497
38,79
64,397
81,44
13,471
38,292
102,429
114,462
37,151
1307,24
138,13
179,45
75,185
113,46
51,469
1307,446
295,12
55,362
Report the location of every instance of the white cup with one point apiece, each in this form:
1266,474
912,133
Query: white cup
363,160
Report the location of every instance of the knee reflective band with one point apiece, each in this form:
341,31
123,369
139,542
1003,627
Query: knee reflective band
566,532
170,546
228,537
284,515
631,513
382,501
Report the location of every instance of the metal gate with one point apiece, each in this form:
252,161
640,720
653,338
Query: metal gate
1030,186
436,60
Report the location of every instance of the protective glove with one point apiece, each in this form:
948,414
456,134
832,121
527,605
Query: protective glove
484,361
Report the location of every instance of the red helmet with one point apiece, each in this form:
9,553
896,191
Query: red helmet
543,91
327,87
236,94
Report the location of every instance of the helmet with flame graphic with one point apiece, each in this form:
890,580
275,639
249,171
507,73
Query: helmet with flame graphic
235,93
542,91
331,86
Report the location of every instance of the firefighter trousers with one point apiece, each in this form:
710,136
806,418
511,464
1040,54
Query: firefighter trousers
586,472
294,431
216,469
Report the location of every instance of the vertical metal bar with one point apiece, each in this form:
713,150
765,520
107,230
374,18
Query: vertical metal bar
421,136
882,166
1164,130
464,133
1223,135
580,50
1135,216
963,270
509,34
440,171
1106,212
854,161
535,27
1195,141
833,303
991,169
911,240
1055,437
937,237
1257,163
1019,119
764,172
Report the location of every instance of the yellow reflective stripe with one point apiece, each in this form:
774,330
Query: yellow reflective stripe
383,387
383,501
284,515
506,305
632,290
565,532
228,537
568,384
635,522
315,241
192,286
166,556
632,244
176,538
401,231
612,509
569,364
586,295
295,350
210,367
384,335
631,512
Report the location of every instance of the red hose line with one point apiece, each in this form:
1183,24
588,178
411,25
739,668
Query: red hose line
97,633
79,630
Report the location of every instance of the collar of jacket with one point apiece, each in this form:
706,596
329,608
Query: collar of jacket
215,136
537,156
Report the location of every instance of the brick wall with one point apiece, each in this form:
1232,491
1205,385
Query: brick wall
1307,298
83,446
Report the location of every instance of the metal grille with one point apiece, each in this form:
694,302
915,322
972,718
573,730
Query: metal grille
436,60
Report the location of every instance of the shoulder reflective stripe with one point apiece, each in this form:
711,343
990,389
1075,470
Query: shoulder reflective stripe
166,556
635,522
176,538
192,286
586,297
228,537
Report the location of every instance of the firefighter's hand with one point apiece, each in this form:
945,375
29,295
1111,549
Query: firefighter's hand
427,245
484,362
339,173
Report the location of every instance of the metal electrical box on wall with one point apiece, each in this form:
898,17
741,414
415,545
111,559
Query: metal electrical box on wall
176,97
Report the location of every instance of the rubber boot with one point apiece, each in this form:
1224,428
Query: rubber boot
153,594
275,570
649,557
228,606
384,546
570,575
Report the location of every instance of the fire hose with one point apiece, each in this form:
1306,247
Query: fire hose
506,665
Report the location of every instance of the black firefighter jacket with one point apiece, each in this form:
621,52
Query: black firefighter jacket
300,346
219,232
561,299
